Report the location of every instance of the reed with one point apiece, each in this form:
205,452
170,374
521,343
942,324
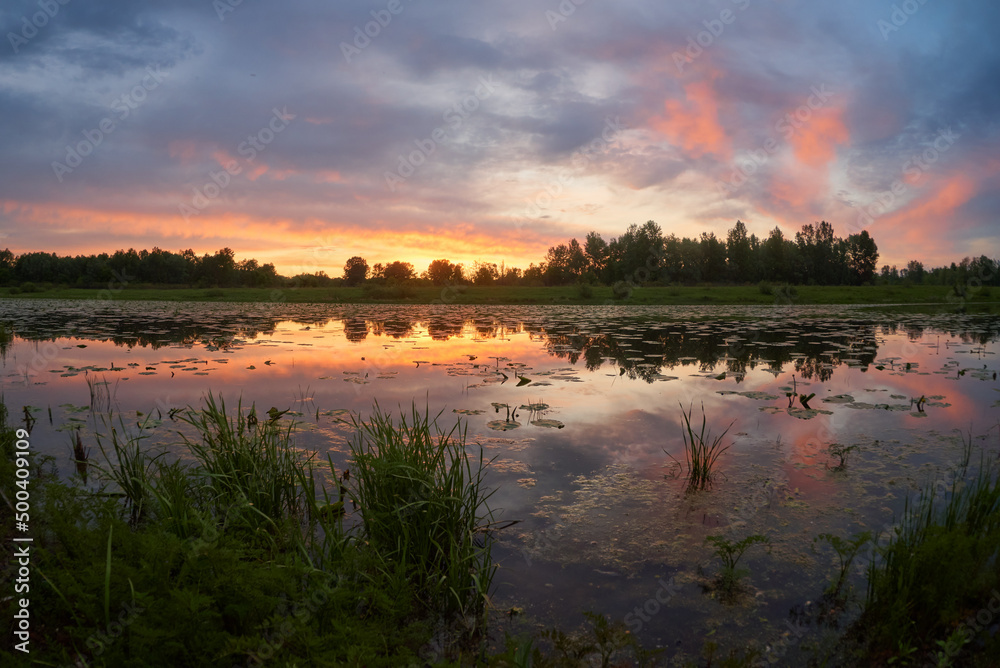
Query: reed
701,451
938,562
247,461
424,505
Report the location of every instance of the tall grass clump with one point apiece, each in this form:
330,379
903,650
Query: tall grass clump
128,465
701,451
423,504
941,565
248,461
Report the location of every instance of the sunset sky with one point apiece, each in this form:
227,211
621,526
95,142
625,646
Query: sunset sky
491,131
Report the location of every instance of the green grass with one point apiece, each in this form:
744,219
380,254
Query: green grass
423,504
569,294
230,556
937,571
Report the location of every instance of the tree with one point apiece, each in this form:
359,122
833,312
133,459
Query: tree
915,271
773,256
442,272
862,257
355,271
596,250
485,273
713,258
738,253
398,272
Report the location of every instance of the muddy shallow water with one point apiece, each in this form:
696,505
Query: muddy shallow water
580,407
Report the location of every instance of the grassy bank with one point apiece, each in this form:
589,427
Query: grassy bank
473,294
242,555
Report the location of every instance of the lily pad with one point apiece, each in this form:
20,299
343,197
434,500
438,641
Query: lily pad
503,425
807,413
839,399
467,411
552,424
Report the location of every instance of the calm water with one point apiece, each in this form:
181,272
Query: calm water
579,407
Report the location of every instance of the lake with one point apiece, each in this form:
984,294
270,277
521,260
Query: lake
580,409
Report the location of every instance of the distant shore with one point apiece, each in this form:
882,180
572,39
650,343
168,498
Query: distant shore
571,294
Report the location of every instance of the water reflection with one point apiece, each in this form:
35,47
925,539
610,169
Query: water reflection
584,474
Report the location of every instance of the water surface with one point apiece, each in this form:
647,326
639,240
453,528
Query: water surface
579,408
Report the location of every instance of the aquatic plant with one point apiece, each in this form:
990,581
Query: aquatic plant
937,563
840,452
131,468
847,550
701,451
730,553
102,393
80,455
248,462
423,504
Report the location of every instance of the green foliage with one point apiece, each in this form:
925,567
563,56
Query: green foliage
388,292
169,564
584,290
603,643
423,504
938,564
846,551
730,553
248,463
621,290
765,288
130,468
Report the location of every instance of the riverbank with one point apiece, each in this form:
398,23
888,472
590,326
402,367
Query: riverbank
573,294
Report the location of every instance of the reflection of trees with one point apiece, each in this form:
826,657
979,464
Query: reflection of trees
637,347
397,329
355,329
444,329
645,353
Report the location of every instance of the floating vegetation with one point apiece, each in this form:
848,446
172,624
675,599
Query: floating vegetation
503,425
552,424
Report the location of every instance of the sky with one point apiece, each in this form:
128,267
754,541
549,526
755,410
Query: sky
305,132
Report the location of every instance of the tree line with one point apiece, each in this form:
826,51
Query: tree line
642,255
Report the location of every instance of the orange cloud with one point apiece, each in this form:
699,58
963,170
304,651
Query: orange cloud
932,210
815,142
693,123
